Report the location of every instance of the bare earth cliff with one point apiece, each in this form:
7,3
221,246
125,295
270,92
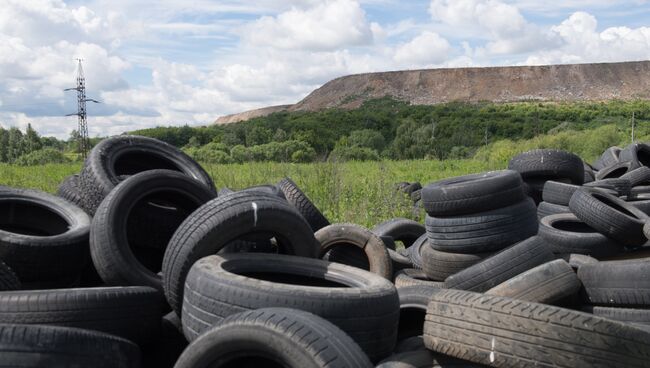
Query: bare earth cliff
576,82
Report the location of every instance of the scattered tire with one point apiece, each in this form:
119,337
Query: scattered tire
362,304
399,261
578,260
125,155
133,313
63,347
69,190
222,220
413,343
483,231
547,283
546,209
266,188
610,216
472,193
609,157
413,301
558,193
618,186
638,154
639,176
111,236
502,266
590,175
413,277
43,238
424,359
617,283
332,237
439,265
638,317
412,188
566,234
400,229
307,209
548,164
269,337
505,332
8,278
614,171
415,251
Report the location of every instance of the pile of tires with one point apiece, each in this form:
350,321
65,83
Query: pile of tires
141,262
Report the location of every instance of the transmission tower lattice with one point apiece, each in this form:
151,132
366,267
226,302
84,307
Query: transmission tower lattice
82,130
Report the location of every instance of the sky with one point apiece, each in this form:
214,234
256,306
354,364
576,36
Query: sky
163,62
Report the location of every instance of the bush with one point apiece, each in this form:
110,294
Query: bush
354,154
42,157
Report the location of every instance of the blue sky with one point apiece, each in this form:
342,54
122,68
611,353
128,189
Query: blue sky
164,62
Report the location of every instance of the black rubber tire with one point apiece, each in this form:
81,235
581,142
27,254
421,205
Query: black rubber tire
548,164
547,283
637,317
578,260
614,171
8,279
590,175
558,193
482,232
502,266
303,204
505,332
610,216
414,277
472,193
267,188
284,337
222,220
617,283
69,190
333,237
413,301
351,256
638,154
110,241
439,265
415,251
639,176
642,204
400,229
424,359
546,209
410,344
416,196
609,157
618,187
63,347
399,260
566,234
132,313
164,352
127,155
43,238
362,304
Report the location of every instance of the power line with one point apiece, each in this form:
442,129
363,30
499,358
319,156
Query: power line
84,143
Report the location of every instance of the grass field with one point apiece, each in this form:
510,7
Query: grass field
357,192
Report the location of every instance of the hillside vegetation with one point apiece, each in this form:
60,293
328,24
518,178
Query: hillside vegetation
389,129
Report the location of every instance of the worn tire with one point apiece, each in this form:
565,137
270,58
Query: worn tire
505,332
609,157
272,336
132,313
578,260
335,236
8,279
110,241
401,229
63,347
610,216
617,186
127,155
472,193
415,251
69,190
639,176
547,283
414,277
424,359
43,238
617,283
638,154
566,234
413,301
637,317
304,205
439,265
483,231
558,193
222,220
614,171
362,304
546,209
502,266
548,164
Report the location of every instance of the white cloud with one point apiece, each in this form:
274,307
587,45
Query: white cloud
426,49
497,18
327,26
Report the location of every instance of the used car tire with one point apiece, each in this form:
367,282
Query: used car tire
43,238
110,236
548,164
506,332
638,154
634,316
617,283
565,234
413,301
616,186
558,193
303,204
222,220
8,278
413,277
69,190
400,229
127,155
271,337
609,157
614,171
362,304
638,176
439,265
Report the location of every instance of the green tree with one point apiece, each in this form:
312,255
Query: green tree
280,135
15,144
367,138
258,135
4,145
32,140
